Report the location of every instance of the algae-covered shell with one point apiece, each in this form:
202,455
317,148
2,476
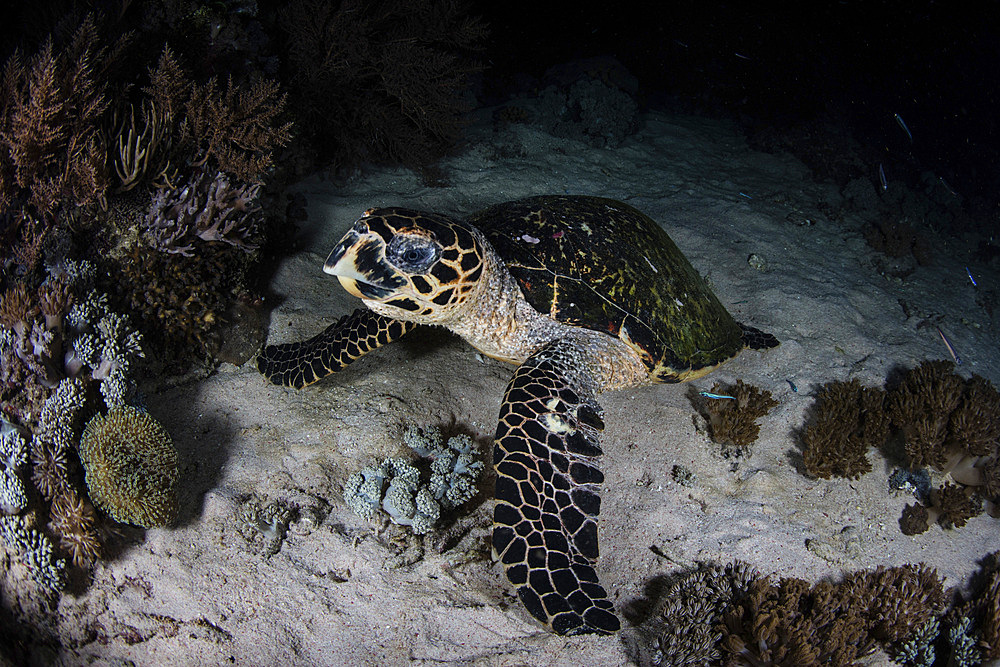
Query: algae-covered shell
601,264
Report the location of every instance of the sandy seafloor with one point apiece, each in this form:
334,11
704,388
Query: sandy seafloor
342,593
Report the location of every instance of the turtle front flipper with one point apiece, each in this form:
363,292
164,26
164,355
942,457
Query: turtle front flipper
349,338
545,522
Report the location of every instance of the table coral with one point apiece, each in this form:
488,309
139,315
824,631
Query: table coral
131,467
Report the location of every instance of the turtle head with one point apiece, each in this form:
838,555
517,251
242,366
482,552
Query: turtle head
409,265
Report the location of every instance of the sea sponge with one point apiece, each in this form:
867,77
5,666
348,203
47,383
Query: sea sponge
131,467
732,421
850,420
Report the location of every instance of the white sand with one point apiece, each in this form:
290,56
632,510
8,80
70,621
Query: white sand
201,594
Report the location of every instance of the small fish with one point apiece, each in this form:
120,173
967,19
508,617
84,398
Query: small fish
792,385
881,178
947,344
971,279
740,55
743,194
948,187
902,124
708,394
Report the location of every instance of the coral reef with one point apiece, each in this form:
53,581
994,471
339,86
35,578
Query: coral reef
131,467
733,615
412,499
732,422
208,207
942,421
953,426
685,626
849,420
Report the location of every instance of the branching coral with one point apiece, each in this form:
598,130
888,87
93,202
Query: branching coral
850,420
733,421
131,467
397,487
208,208
54,104
238,127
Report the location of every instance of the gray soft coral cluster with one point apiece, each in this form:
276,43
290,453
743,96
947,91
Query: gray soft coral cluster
397,487
208,208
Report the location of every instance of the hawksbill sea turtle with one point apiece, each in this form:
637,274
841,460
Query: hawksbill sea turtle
585,295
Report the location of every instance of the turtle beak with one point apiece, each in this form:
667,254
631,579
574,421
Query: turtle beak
359,263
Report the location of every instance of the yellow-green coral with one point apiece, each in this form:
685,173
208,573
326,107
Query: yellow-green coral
131,467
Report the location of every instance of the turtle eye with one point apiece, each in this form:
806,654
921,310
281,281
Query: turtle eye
412,254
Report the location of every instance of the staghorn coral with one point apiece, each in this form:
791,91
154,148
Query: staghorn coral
850,420
397,487
207,208
732,421
131,467
380,81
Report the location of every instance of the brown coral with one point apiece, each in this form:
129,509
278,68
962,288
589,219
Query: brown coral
921,407
957,504
850,420
73,520
793,623
732,421
974,426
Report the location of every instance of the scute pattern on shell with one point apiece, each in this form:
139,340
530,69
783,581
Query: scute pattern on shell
601,264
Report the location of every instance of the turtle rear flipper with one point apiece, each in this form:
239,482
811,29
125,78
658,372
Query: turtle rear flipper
756,339
545,522
349,338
